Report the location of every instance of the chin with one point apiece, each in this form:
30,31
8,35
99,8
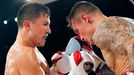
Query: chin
41,44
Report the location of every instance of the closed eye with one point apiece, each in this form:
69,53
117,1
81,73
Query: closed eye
76,31
46,24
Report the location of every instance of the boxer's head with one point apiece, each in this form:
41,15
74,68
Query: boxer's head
30,12
34,21
83,19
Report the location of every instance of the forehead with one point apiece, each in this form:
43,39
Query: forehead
43,18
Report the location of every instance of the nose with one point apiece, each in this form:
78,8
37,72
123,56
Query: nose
81,37
49,30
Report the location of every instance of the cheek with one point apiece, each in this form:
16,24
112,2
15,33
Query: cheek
37,33
45,28
40,29
87,30
84,30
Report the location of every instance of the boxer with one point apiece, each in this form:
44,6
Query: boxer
113,35
23,57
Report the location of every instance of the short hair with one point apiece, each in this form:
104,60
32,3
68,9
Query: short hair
31,11
81,6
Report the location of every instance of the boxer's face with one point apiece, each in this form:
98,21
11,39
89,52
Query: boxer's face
83,27
40,30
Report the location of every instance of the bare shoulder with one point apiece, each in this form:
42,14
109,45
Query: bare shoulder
115,33
12,71
11,67
23,59
102,36
121,25
27,57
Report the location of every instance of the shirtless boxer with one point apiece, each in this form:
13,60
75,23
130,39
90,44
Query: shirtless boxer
113,35
23,57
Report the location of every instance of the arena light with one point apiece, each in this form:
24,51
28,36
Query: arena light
132,1
15,19
28,0
41,1
5,22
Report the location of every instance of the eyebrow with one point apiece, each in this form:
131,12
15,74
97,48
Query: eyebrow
46,22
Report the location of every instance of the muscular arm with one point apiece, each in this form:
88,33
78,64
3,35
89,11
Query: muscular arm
43,63
103,39
130,49
109,58
129,44
116,34
53,70
10,67
12,71
45,68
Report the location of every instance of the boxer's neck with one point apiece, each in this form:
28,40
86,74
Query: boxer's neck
24,39
99,19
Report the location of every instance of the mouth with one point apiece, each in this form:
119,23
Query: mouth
45,36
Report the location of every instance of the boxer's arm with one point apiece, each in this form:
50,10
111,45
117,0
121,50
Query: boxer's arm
44,63
130,54
12,71
130,49
103,39
53,70
45,68
129,44
105,68
109,58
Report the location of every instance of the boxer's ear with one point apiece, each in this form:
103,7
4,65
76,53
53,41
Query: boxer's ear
26,24
87,18
84,17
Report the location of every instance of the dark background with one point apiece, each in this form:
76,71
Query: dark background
61,34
